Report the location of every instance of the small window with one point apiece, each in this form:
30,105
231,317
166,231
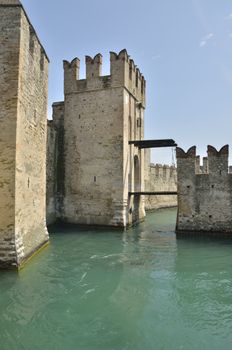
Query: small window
139,122
95,178
32,42
42,59
142,88
136,78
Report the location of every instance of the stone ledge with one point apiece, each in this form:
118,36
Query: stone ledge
203,234
10,3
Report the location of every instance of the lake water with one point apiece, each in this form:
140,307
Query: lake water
141,289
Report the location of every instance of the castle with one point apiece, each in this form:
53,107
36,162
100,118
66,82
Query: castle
87,165
95,171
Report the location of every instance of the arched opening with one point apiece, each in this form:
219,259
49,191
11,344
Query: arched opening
137,184
137,188
129,155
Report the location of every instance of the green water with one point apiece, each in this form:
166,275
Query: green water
137,290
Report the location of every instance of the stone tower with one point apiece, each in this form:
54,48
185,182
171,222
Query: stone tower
101,114
23,112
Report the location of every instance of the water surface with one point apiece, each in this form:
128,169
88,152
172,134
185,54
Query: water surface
107,290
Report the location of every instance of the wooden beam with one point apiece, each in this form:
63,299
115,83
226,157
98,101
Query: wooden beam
153,143
165,193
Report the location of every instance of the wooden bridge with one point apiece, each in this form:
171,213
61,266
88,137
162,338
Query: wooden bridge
153,144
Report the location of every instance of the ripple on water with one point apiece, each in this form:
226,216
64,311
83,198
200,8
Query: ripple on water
141,289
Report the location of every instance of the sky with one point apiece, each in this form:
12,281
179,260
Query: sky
183,48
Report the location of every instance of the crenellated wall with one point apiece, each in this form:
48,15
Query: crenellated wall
101,114
204,192
159,178
123,72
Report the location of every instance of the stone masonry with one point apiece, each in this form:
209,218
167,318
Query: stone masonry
23,86
55,164
93,174
204,192
99,116
159,178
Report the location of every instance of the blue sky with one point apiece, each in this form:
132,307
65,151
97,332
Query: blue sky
183,48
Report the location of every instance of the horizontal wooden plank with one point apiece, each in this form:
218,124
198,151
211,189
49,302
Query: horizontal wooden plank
165,193
153,143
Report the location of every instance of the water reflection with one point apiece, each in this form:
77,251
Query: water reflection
203,285
140,289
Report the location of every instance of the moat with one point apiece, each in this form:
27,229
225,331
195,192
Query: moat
108,290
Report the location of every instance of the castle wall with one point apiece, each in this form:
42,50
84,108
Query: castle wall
133,159
31,141
9,68
100,111
204,198
51,173
55,164
159,178
23,85
93,156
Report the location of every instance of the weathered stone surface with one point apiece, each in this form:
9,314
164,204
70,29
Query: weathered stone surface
55,164
204,192
101,114
10,2
51,173
159,178
23,86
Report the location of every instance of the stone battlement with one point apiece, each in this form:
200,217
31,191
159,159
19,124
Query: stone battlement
204,192
89,156
123,72
158,178
216,163
163,170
